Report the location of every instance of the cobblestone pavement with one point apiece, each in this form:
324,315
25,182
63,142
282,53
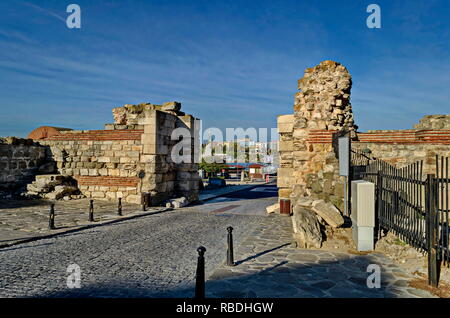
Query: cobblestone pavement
149,256
267,265
23,219
155,256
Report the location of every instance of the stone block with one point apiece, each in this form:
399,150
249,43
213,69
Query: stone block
273,208
285,146
285,119
98,194
285,182
133,198
306,228
327,211
284,192
285,172
147,138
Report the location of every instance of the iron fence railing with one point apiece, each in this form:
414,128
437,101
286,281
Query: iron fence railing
414,207
442,182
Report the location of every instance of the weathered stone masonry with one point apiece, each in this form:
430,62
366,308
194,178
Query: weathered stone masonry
129,157
20,160
309,170
308,167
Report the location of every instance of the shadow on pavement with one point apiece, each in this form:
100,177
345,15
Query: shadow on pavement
262,253
336,279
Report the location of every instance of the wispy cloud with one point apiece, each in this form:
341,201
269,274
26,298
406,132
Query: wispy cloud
44,10
232,65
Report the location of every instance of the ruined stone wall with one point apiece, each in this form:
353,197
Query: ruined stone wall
309,163
164,176
20,160
322,106
434,122
404,147
129,157
105,163
322,112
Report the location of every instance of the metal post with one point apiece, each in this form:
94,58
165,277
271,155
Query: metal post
119,207
432,229
230,258
143,203
51,220
379,187
200,276
91,210
147,199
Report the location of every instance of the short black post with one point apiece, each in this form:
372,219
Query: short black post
230,258
200,276
91,211
51,219
119,207
143,203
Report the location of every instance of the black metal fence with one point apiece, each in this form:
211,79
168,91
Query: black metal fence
443,192
414,206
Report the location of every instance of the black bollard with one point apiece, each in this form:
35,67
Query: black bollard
91,211
119,207
230,258
200,276
143,203
51,220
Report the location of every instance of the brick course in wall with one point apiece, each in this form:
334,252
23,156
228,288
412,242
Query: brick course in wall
99,135
108,181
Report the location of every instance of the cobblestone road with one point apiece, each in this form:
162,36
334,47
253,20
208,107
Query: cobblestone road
155,256
267,265
150,256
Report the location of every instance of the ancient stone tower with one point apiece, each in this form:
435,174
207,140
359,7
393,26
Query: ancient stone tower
322,111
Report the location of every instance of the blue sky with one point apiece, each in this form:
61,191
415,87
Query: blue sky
230,63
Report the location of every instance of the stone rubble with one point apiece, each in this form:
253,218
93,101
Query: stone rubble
274,208
328,212
306,226
53,187
177,203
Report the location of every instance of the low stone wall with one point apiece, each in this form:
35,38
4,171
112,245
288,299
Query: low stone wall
20,160
105,163
404,147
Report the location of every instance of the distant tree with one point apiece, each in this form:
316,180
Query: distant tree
211,168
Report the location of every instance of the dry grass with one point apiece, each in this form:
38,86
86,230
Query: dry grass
442,291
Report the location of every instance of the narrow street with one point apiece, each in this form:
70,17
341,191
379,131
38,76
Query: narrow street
150,256
155,256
